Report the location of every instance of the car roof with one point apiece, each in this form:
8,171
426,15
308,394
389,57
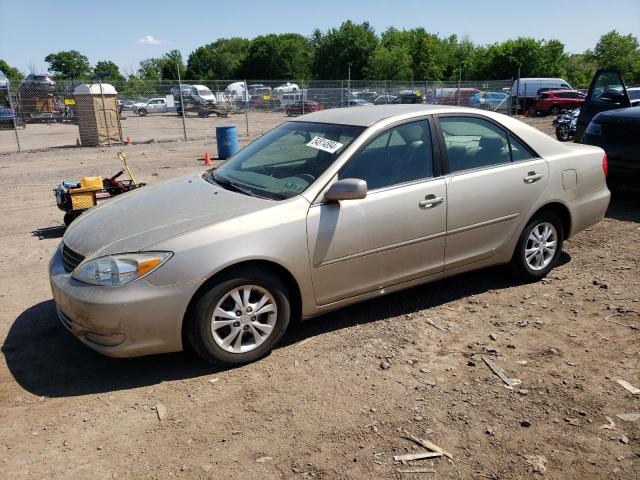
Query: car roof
368,115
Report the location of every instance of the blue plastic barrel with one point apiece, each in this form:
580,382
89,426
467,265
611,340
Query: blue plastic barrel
227,139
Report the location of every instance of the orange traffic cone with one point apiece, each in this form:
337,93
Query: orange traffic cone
77,142
129,142
207,159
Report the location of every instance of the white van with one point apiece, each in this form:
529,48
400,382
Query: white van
532,87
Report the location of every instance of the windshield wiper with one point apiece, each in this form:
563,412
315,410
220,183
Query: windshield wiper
230,185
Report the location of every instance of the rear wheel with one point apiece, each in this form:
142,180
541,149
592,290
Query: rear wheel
554,110
539,247
562,132
240,319
142,112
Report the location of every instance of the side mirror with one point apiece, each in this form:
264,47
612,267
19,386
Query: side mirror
613,97
346,189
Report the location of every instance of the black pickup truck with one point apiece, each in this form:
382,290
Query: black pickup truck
607,120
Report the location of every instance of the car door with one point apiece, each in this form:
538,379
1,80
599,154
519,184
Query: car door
493,180
162,106
606,92
394,234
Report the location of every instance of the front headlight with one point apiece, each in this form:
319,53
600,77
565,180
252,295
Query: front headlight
594,129
116,270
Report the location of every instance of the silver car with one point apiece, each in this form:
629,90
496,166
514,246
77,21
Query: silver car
327,209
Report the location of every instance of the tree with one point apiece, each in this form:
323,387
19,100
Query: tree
108,70
218,60
619,52
350,44
390,63
13,74
70,63
580,69
283,56
150,69
169,64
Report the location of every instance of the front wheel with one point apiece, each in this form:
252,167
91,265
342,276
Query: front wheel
554,110
142,112
240,319
539,247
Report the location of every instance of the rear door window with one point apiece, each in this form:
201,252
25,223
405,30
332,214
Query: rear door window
473,143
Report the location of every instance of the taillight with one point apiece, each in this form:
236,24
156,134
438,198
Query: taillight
605,165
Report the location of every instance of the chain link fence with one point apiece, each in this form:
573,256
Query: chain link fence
41,113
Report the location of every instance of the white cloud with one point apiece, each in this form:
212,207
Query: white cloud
149,40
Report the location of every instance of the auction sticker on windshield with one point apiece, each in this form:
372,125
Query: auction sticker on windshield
324,144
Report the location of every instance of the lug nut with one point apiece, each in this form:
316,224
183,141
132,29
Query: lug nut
253,318
236,324
249,309
246,327
238,313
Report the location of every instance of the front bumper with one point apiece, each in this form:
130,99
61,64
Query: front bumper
128,321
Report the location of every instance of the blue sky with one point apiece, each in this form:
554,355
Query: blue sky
129,31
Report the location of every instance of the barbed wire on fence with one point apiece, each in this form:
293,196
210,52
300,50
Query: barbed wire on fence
101,114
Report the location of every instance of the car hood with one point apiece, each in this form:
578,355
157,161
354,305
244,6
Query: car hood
135,220
620,115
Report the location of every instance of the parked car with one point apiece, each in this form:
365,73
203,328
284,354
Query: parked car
612,124
384,99
39,78
300,108
496,101
354,102
155,105
634,96
451,95
554,101
408,98
321,212
524,91
8,117
127,105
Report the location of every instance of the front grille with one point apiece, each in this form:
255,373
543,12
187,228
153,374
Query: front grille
70,259
622,133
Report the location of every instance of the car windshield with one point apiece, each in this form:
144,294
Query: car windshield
285,161
205,92
634,94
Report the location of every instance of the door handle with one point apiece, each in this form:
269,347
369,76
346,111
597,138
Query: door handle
532,177
430,201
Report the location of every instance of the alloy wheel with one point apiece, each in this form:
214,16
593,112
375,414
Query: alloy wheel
541,246
244,318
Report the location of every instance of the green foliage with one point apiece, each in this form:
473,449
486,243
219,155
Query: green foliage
169,65
150,69
109,70
218,60
619,52
580,69
350,44
284,56
68,64
13,74
413,54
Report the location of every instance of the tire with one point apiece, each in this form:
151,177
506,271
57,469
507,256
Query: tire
69,217
535,269
209,343
554,110
562,132
142,112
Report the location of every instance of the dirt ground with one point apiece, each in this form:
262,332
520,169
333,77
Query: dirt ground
333,401
152,128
